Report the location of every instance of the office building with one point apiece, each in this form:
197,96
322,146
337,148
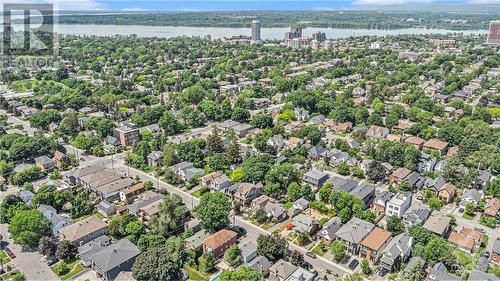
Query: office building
319,36
494,33
255,30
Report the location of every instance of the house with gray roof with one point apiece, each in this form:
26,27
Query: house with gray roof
155,158
196,240
438,223
353,232
92,247
470,196
282,269
315,178
398,250
261,264
327,233
26,196
113,259
301,274
439,272
417,214
248,251
304,224
476,275
275,210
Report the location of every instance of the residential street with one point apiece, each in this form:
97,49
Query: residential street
29,263
319,264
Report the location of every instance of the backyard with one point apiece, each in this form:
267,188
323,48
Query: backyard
70,269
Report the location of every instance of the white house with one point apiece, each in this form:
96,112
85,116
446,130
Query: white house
398,204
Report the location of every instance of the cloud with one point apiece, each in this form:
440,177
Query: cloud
388,2
484,2
65,4
133,9
324,9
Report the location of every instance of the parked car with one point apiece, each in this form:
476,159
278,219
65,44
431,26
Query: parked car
311,255
486,254
353,264
382,272
480,229
307,265
51,260
240,231
10,253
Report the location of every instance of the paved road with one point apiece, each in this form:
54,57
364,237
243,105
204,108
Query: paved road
319,264
492,233
14,120
29,263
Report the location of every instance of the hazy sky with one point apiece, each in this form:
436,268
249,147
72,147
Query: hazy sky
209,5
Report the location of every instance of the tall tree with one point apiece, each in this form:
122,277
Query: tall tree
271,246
213,210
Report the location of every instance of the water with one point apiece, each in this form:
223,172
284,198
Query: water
221,32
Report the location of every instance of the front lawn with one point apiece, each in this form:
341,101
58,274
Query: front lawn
74,267
15,275
320,249
495,271
467,217
195,274
4,258
267,225
197,193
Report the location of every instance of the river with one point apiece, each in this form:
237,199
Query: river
221,32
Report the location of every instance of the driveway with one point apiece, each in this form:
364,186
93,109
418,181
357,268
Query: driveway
29,263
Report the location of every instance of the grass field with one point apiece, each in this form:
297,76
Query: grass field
4,258
75,267
195,274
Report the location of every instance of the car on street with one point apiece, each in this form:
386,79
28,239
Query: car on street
353,264
382,272
311,255
479,229
10,253
240,231
307,265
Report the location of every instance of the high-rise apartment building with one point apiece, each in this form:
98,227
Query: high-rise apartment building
255,30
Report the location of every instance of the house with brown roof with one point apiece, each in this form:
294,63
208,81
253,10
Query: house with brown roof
399,175
492,206
437,145
83,231
465,238
447,192
438,223
207,179
374,243
247,192
393,137
415,141
219,242
60,159
377,132
130,193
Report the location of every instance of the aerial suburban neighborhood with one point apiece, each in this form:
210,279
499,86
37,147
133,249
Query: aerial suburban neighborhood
246,157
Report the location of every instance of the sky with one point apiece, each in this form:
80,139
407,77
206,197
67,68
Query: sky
231,5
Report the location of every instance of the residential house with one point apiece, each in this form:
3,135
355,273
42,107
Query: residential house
155,158
92,247
415,179
298,206
438,223
353,232
281,270
380,201
126,136
447,192
105,208
301,274
247,192
112,190
219,242
482,178
207,179
439,272
83,231
248,251
399,175
220,182
437,145
411,263
196,241
301,114
434,184
315,178
186,170
337,157
242,130
317,152
277,142
465,238
60,159
260,202
397,251
117,257
495,254
327,233
56,221
377,132
476,275
45,163
26,196
275,210
398,204
492,206
472,196
415,141
440,165
417,214
304,224
130,193
147,198
426,163
374,243
261,264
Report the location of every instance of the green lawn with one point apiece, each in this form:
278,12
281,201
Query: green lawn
14,275
4,258
467,217
195,274
196,194
318,251
75,267
267,225
495,271
465,260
